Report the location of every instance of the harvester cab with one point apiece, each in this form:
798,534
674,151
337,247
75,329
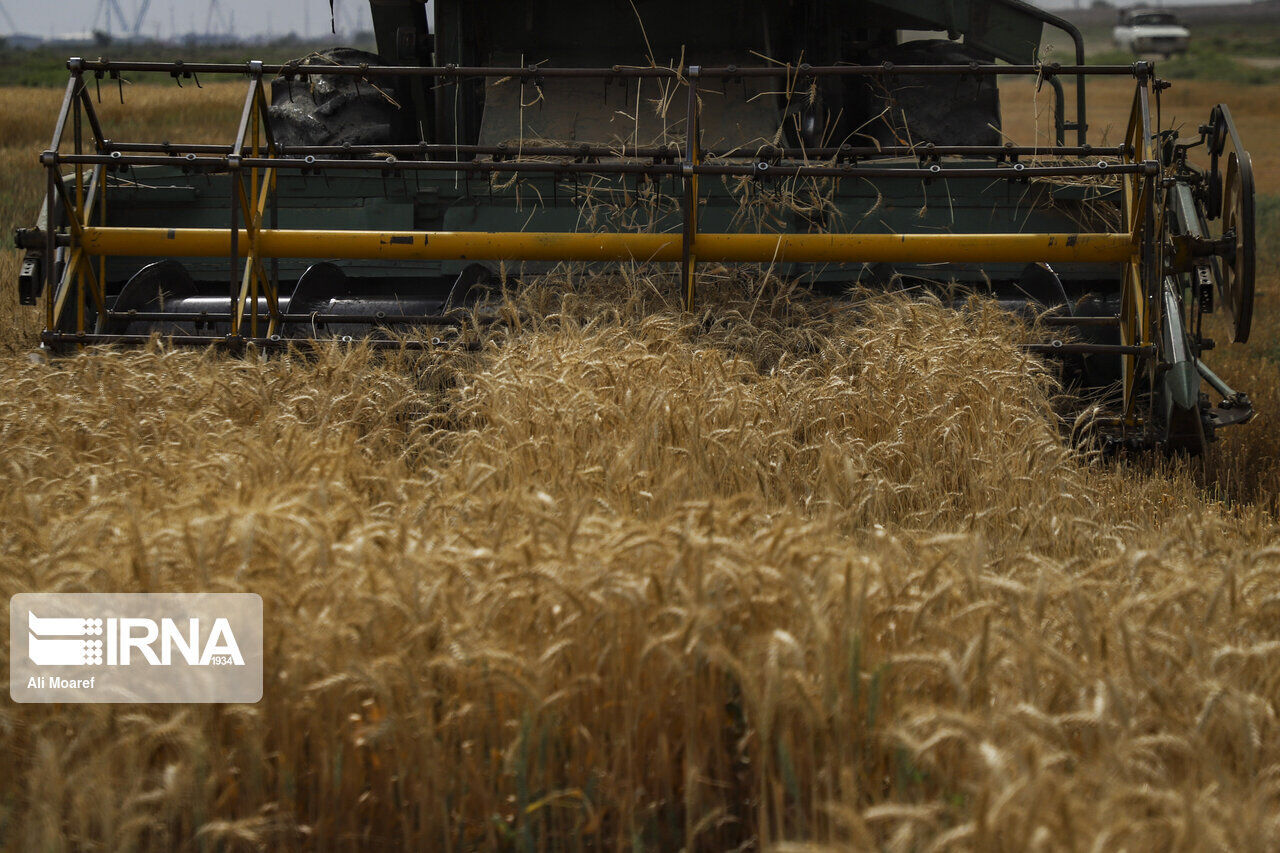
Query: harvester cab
840,144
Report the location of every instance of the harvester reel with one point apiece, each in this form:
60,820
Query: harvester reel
475,284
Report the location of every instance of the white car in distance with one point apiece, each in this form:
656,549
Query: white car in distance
1151,31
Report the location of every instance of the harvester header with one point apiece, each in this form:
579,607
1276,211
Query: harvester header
374,196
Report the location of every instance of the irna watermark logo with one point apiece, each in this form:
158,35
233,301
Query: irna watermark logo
135,647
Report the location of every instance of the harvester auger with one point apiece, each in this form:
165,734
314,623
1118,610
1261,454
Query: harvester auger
364,194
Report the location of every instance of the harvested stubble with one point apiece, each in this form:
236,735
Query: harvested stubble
782,573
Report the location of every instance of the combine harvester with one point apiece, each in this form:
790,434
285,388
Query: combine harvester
369,196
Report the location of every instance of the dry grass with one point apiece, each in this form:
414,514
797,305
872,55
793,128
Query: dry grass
784,575
1028,116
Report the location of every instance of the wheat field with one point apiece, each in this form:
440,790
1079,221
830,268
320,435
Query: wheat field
778,575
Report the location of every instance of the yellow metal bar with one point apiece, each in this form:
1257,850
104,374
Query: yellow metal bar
262,100
1138,139
254,276
253,146
237,316
693,134
532,246
254,223
1132,325
80,288
51,286
78,269
95,287
253,296
1137,326
64,287
102,218
73,217
273,298
246,206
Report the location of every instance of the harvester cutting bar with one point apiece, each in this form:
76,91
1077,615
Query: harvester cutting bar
659,152
280,342
455,319
235,342
532,246
758,170
1080,321
317,318
533,72
792,74
1059,348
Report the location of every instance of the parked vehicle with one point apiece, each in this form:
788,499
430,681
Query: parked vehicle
1151,31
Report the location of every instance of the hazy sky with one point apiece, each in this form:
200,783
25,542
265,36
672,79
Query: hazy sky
51,17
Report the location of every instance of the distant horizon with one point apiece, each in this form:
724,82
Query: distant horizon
175,18
253,18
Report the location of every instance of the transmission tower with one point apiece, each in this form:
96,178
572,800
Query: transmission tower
110,10
218,13
107,9
141,17
8,19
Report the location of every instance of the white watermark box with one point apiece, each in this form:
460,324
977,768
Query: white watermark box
135,647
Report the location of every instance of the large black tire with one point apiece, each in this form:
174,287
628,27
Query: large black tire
332,110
